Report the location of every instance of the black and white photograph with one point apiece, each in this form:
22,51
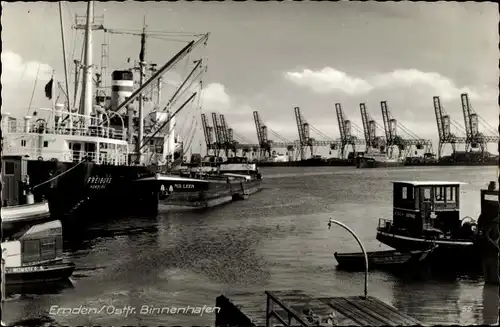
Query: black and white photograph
250,163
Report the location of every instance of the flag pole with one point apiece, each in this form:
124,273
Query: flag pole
54,83
53,89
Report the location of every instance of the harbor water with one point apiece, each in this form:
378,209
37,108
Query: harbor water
278,239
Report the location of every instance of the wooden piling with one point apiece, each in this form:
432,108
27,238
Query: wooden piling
488,225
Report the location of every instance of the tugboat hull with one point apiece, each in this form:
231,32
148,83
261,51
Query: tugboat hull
448,254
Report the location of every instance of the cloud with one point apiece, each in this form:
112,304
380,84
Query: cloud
15,70
215,97
18,81
328,80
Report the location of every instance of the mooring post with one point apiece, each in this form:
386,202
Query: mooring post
4,255
360,244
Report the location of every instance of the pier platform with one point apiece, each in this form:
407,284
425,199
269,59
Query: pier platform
296,308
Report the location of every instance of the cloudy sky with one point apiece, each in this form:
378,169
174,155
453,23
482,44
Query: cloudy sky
272,57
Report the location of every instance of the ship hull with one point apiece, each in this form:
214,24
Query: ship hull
84,191
449,254
372,163
213,192
83,188
38,273
308,163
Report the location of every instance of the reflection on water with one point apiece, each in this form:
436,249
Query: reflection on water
53,287
490,304
276,240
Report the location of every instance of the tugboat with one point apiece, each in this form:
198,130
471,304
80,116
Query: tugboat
427,213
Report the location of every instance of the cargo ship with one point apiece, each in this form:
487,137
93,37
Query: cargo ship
377,160
314,161
80,159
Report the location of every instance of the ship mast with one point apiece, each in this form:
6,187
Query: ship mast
142,66
87,65
158,92
64,56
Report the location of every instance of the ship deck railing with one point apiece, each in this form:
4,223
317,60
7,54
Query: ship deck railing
102,158
91,131
271,313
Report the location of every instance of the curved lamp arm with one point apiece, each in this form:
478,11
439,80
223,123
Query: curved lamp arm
360,244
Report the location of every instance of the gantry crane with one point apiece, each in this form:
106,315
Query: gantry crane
404,146
209,135
474,138
370,130
262,138
227,136
265,144
345,128
444,123
219,137
305,139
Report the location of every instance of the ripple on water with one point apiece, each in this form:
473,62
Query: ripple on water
276,240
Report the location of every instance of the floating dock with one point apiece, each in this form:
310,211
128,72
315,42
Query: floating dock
296,308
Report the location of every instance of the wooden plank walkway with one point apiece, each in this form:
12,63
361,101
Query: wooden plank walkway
293,304
300,302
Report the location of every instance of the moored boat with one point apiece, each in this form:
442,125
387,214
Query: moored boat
377,160
427,213
241,166
380,259
19,207
82,157
200,191
35,255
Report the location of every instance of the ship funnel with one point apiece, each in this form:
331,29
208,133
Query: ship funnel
122,86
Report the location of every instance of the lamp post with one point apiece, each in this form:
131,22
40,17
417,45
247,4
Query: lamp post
360,244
